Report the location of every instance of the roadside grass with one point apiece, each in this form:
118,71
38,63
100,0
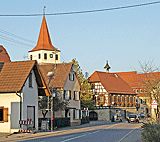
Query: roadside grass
151,132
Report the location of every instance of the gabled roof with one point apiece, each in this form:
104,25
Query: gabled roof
14,75
111,82
44,41
4,57
60,73
136,80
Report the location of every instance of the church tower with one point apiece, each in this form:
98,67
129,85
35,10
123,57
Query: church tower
107,67
44,51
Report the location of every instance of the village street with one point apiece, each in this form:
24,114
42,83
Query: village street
102,131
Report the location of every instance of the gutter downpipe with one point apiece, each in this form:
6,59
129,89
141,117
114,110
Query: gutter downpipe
20,105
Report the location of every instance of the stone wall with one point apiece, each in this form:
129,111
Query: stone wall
105,114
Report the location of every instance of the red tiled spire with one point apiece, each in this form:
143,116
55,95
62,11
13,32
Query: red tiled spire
44,41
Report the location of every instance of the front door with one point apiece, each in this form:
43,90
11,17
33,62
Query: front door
31,114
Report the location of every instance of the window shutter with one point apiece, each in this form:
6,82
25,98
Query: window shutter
5,114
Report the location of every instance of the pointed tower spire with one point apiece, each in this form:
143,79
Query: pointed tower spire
107,67
44,41
44,51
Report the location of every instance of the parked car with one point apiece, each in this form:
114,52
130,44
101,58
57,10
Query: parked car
133,118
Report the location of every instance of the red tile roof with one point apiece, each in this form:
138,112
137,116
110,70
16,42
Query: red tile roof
136,80
60,73
14,75
44,41
4,57
111,82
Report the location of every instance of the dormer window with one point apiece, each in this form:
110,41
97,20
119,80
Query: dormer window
39,56
45,56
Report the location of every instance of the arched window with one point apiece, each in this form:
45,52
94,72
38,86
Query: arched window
30,57
45,55
39,56
56,57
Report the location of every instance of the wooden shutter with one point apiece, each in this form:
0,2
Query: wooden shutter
5,114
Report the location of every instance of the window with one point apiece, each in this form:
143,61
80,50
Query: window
101,98
30,57
30,80
56,57
70,95
3,114
51,55
141,91
71,77
39,56
79,95
75,114
76,95
137,91
67,95
45,55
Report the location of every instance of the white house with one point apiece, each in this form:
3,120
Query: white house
20,85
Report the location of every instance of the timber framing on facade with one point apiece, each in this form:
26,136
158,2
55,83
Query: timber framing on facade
109,89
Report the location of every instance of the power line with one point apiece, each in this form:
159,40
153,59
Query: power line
80,12
16,36
14,41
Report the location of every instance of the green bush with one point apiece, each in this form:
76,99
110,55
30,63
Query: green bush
85,120
151,132
61,122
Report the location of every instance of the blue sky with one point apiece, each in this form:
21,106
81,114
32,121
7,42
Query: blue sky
124,37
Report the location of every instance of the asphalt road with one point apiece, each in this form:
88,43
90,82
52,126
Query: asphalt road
94,132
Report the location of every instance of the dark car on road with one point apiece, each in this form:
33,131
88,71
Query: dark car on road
133,118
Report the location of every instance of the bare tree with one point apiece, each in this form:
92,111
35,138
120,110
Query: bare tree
150,80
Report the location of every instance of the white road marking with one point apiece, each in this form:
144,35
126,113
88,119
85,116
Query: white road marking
73,138
80,136
67,136
127,134
86,134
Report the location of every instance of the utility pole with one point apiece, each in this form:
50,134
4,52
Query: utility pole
52,110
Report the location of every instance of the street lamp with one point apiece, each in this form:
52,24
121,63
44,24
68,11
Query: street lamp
52,111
